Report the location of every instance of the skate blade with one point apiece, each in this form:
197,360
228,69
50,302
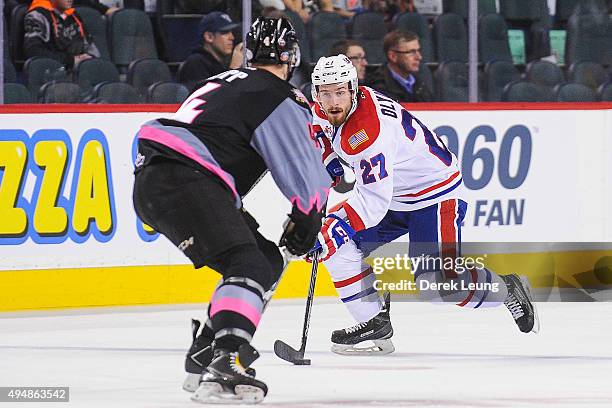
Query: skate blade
536,318
192,382
380,348
213,393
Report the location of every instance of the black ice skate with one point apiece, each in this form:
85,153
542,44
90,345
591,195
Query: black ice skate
198,357
520,303
377,330
226,381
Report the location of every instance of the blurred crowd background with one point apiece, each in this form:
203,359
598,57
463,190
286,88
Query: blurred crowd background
156,51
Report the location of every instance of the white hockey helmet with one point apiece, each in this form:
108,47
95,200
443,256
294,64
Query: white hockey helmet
336,69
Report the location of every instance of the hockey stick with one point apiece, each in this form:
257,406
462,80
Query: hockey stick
287,257
282,349
267,296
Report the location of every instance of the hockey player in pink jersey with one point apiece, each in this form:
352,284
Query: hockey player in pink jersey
407,182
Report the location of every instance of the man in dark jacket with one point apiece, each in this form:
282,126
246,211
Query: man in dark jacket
53,29
398,78
214,57
355,52
94,4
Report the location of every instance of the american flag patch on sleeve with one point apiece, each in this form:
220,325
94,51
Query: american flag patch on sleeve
358,139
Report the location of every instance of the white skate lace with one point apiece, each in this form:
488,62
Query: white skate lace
514,306
355,328
236,367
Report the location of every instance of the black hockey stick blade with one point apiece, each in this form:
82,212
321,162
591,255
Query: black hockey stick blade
288,353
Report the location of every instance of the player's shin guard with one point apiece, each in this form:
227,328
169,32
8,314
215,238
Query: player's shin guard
235,311
358,294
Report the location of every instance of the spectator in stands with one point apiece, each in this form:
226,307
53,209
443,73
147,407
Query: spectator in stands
326,5
299,7
345,8
94,4
348,8
215,55
398,78
53,29
388,8
355,52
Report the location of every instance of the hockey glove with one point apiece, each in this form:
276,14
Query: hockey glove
330,159
334,233
335,170
301,231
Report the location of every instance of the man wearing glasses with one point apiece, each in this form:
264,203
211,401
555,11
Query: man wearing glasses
355,52
398,78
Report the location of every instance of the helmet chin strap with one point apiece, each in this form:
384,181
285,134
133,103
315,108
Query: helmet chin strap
353,104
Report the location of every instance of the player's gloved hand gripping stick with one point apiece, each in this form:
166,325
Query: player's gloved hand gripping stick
335,232
300,230
282,349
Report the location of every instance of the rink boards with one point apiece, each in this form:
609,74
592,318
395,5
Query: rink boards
69,236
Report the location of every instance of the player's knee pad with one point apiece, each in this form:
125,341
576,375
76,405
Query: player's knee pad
246,261
274,257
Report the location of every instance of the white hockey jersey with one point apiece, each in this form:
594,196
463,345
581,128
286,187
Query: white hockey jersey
399,164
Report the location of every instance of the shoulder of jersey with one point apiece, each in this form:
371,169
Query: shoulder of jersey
283,89
299,98
265,86
363,127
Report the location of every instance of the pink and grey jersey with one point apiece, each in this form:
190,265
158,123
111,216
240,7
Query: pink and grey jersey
399,164
238,125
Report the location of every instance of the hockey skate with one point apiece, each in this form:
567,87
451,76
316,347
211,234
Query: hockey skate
226,381
520,303
377,330
198,357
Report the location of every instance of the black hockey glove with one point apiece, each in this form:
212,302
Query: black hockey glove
301,231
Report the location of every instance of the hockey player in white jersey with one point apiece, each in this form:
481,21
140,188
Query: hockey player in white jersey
407,182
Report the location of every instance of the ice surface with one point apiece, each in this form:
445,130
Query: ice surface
446,357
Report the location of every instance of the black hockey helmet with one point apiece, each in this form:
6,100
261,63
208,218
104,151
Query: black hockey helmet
273,41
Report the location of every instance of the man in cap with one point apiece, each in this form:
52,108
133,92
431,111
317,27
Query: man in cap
215,55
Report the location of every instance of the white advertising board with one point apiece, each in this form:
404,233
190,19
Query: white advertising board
65,197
